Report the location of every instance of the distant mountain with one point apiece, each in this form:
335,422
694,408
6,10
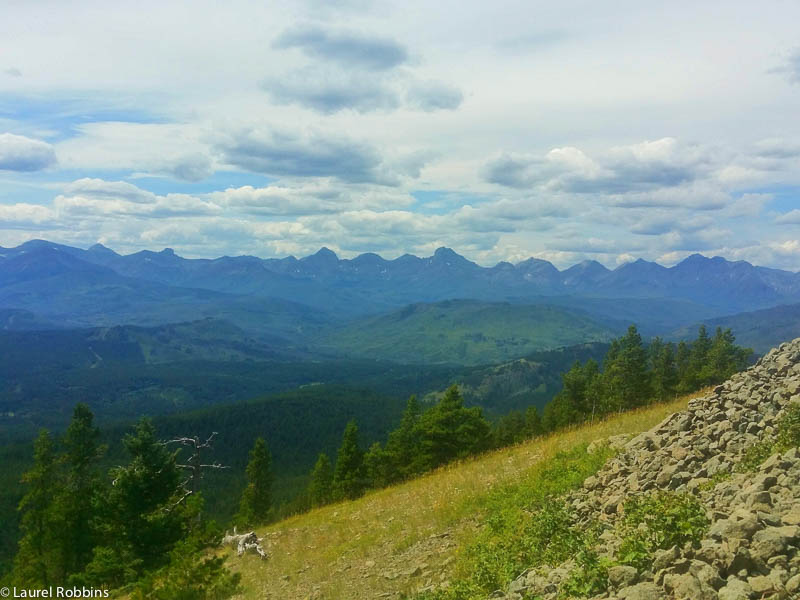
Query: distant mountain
296,297
58,285
463,332
759,330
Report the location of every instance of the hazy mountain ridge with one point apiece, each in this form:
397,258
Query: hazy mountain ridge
760,329
368,283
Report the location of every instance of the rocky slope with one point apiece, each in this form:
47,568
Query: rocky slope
750,547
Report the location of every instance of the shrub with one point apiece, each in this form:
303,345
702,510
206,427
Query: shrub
659,521
786,437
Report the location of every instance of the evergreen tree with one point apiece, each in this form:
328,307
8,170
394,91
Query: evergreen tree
578,400
533,422
449,430
403,444
349,477
36,558
724,358
509,429
75,507
665,373
143,515
697,370
682,367
627,379
378,466
320,489
256,500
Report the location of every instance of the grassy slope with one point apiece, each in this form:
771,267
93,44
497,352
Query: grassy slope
463,331
362,549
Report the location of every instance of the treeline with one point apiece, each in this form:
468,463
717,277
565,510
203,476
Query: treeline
633,374
140,525
424,440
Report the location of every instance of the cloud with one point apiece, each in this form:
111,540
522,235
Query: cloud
650,165
20,153
12,72
192,167
530,42
512,170
351,49
354,72
696,196
777,148
100,189
174,150
790,67
790,218
312,155
430,96
331,90
561,168
307,198
328,91
666,223
99,199
23,215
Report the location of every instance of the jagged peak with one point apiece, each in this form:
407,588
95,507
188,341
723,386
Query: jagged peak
99,248
323,252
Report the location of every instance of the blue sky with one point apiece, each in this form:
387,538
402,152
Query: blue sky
562,130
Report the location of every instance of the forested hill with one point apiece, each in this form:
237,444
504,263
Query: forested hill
463,332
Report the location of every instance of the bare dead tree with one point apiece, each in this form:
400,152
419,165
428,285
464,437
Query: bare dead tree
194,465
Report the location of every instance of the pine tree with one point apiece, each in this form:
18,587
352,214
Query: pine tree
626,377
76,531
256,502
402,446
682,366
320,488
724,358
665,373
509,429
36,558
449,430
533,422
349,477
377,463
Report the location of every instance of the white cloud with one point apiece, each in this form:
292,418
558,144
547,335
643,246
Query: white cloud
20,153
22,214
790,218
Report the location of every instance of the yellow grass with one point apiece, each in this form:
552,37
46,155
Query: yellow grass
370,548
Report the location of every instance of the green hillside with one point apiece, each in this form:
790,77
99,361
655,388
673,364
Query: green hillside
463,332
759,330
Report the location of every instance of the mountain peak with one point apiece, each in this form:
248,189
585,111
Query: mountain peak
445,252
326,252
99,248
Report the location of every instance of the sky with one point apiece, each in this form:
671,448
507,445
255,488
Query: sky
564,130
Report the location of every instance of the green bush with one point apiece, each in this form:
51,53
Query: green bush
589,577
789,429
660,521
786,437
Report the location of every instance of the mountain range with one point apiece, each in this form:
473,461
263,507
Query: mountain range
294,298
